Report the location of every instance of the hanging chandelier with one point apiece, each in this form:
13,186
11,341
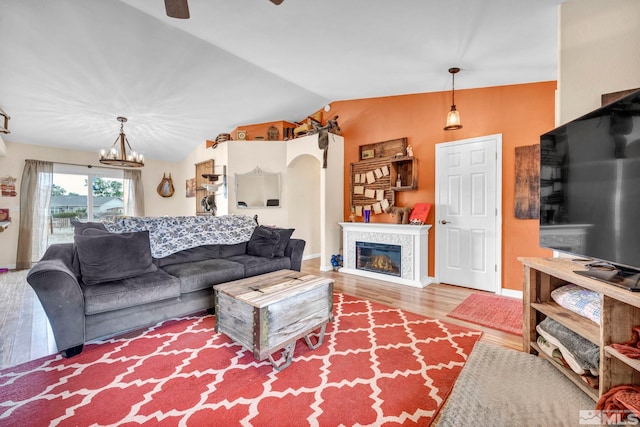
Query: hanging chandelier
453,117
118,155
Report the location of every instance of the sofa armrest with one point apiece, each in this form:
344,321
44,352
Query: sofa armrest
294,250
59,292
60,251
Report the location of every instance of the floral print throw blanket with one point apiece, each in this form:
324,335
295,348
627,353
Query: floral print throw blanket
169,235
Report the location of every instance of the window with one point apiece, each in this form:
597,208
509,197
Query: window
89,194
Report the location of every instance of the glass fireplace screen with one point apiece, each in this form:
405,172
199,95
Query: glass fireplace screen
379,258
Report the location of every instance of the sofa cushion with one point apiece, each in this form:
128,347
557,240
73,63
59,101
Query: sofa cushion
204,274
198,253
79,226
105,256
230,250
285,236
255,265
263,242
130,292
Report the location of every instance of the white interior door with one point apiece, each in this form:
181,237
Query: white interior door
468,214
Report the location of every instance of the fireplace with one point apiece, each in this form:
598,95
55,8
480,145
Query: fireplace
380,258
396,253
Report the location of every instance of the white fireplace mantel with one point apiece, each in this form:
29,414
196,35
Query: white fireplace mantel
413,240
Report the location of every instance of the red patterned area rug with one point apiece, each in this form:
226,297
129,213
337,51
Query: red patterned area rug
377,366
493,311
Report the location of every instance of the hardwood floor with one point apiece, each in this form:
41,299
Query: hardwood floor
435,300
25,334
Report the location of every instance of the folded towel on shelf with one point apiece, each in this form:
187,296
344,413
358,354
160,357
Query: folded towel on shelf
551,351
630,399
591,380
630,348
582,301
555,354
620,399
569,359
576,350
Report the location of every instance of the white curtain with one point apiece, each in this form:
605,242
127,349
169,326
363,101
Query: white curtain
35,198
133,193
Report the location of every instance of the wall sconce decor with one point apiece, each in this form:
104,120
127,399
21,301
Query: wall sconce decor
453,118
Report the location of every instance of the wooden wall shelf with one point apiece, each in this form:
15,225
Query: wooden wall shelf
406,168
391,157
203,169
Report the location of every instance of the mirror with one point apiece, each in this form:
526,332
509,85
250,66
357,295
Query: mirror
257,189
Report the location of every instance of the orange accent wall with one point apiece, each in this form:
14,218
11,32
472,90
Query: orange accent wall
519,112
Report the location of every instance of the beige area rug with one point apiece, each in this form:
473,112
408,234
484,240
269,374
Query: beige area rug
501,387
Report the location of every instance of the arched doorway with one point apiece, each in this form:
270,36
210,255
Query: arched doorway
303,187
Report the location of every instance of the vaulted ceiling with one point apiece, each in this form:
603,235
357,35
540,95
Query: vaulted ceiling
68,68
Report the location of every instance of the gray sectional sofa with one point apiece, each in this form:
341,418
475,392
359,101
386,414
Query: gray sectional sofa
110,280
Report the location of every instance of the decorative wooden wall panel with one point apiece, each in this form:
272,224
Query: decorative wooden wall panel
386,149
377,157
382,183
527,182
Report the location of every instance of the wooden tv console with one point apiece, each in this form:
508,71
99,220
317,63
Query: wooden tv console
620,312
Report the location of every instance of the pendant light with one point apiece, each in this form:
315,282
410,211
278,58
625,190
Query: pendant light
453,118
118,155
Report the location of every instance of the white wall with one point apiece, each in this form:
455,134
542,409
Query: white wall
599,53
269,156
156,205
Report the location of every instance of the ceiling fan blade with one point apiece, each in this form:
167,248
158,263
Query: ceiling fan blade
276,2
177,8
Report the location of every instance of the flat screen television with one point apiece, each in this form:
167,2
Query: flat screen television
590,191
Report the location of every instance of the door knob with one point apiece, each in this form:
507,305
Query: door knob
444,221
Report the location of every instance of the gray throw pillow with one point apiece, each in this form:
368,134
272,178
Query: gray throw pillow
285,236
105,256
79,227
263,242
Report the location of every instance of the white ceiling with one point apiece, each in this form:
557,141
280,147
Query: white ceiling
68,68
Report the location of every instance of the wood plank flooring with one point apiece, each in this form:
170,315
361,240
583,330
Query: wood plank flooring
434,301
26,335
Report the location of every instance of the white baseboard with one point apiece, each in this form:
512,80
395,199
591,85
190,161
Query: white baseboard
511,293
312,256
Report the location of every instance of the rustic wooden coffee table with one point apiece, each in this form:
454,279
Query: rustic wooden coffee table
270,312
